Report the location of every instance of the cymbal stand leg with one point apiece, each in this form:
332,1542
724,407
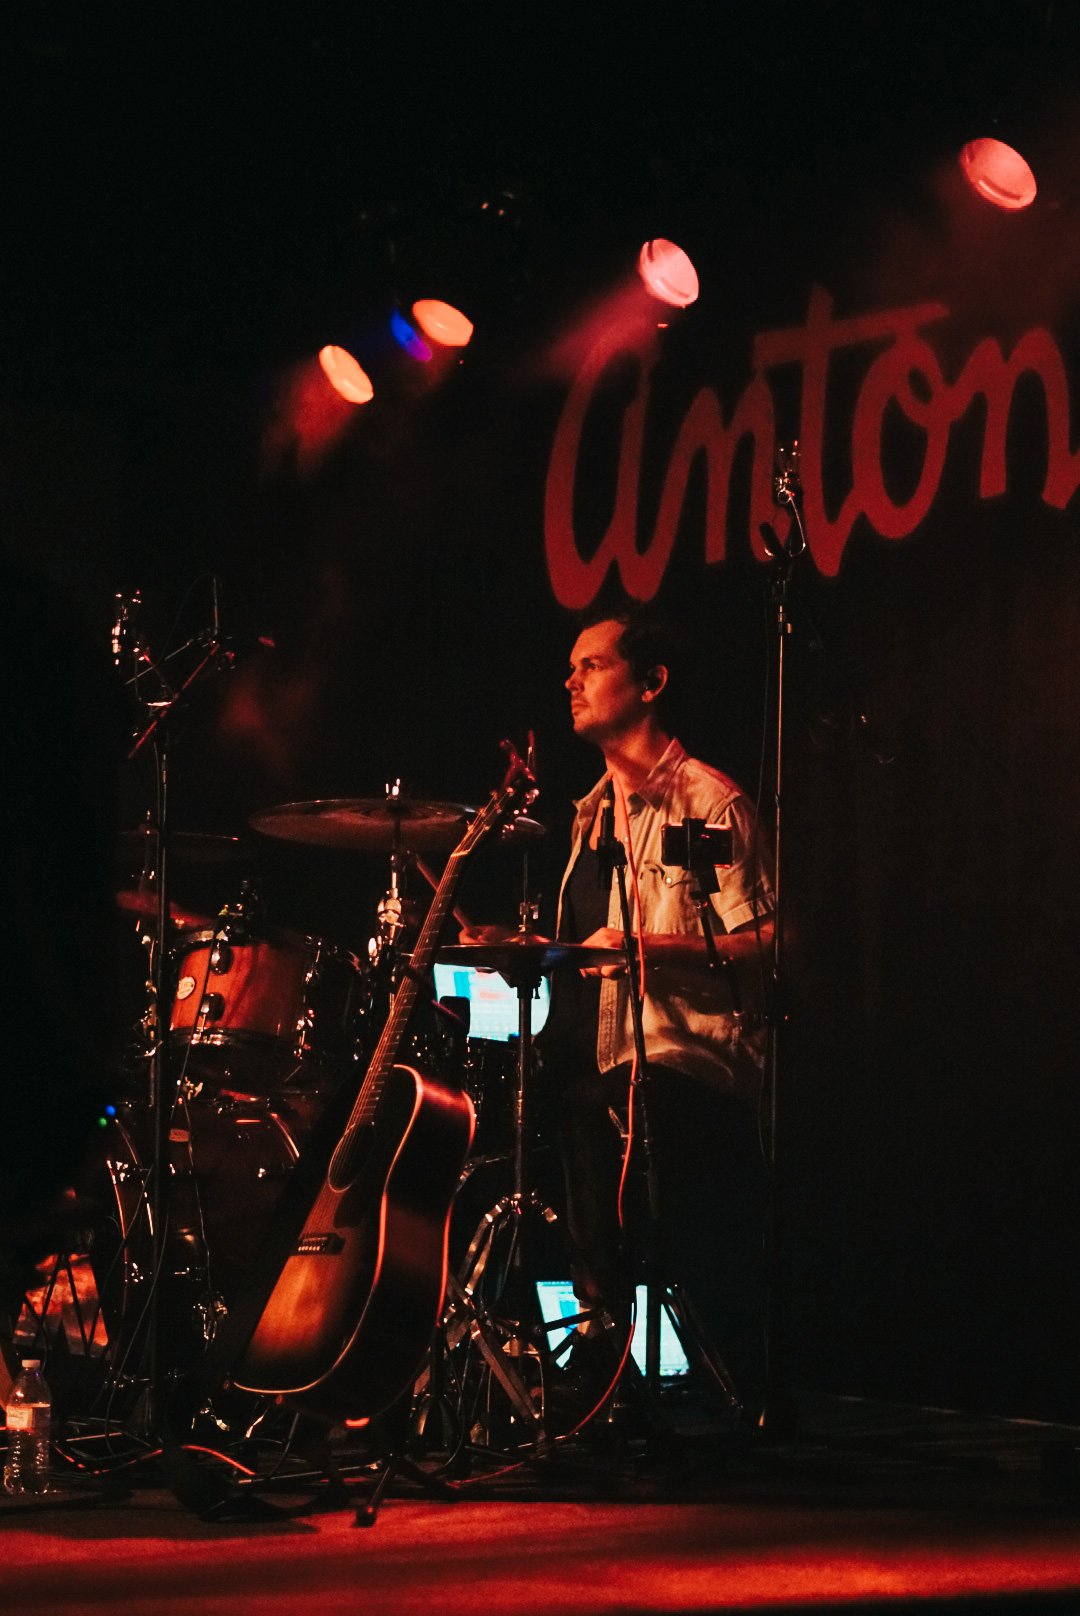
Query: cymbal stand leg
475,1321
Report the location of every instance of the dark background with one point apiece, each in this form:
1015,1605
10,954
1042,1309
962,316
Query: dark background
195,204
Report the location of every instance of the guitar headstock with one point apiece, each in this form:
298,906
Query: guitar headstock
520,776
516,791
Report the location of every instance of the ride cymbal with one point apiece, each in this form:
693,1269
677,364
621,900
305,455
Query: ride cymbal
365,825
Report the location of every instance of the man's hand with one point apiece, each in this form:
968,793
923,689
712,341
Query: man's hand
485,934
606,937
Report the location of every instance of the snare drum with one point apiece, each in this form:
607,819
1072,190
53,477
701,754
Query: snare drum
259,1011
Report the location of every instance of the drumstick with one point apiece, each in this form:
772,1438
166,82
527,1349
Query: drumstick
433,882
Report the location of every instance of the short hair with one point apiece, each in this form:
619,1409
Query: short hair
649,639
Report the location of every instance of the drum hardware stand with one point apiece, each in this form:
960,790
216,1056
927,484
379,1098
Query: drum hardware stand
496,1253
157,731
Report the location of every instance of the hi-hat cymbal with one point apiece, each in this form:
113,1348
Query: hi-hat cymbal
523,954
134,901
186,846
366,825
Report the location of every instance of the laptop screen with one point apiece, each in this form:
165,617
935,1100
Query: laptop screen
558,1302
493,1003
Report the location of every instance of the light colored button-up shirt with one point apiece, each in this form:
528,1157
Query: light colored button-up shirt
687,1014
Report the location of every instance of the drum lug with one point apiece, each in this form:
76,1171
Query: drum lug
212,1007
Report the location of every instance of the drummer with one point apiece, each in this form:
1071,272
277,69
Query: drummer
704,1059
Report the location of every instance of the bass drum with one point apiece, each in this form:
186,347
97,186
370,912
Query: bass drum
228,1160
263,1012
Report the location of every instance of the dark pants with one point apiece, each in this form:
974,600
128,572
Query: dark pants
710,1198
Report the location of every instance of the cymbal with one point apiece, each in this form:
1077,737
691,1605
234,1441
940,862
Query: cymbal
144,904
522,829
366,825
186,846
522,953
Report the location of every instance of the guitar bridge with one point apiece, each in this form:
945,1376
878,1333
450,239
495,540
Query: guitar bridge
320,1245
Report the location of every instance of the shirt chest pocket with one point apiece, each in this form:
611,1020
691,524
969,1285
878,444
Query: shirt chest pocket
667,897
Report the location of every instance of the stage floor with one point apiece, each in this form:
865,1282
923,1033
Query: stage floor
874,1506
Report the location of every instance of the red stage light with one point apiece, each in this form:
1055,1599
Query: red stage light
442,323
668,273
998,173
345,375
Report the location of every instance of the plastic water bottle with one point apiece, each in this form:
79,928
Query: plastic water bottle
29,1417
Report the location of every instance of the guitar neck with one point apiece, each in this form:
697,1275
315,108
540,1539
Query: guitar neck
416,977
407,993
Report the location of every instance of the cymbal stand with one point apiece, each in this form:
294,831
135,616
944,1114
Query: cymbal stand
158,733
491,1296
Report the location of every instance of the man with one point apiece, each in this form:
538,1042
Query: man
703,1041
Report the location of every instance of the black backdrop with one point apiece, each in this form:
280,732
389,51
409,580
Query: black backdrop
195,206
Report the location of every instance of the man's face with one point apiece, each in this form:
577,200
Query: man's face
605,698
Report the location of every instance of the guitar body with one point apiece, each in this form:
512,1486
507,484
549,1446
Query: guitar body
347,1323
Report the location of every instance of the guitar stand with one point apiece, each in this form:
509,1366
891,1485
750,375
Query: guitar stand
397,1463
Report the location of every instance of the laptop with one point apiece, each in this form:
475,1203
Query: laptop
558,1302
493,1003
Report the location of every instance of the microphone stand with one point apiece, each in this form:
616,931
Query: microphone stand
779,1417
661,1293
612,856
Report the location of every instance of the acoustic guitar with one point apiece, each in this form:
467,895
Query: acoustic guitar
347,1321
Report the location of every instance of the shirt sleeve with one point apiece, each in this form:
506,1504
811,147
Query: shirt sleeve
746,887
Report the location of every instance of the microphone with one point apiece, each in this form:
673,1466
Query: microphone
786,493
786,483
125,606
605,842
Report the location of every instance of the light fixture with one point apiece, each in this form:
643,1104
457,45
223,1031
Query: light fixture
667,273
998,173
346,375
442,322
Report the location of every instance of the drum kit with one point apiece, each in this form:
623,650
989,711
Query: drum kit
262,1025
